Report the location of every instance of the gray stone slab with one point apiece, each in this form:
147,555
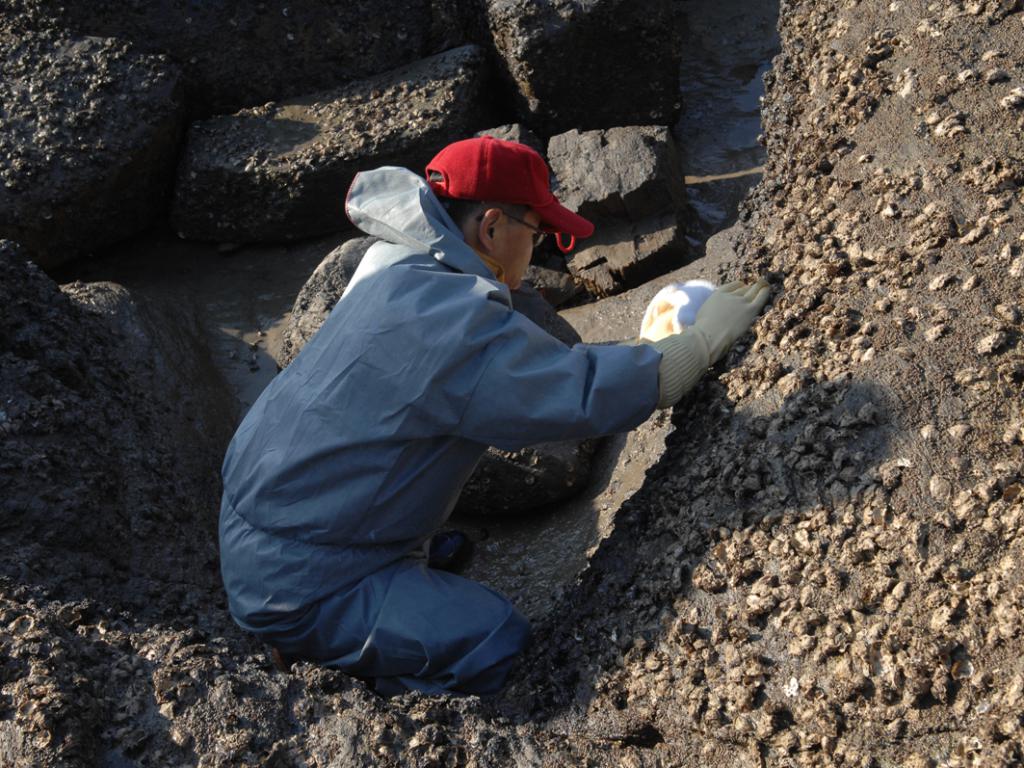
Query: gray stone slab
281,171
629,182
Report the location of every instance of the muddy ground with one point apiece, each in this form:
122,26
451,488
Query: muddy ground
824,566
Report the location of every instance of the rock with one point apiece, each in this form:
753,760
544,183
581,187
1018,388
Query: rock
515,132
238,55
161,343
281,171
621,257
553,283
514,482
630,173
629,182
89,140
504,481
992,343
588,65
86,389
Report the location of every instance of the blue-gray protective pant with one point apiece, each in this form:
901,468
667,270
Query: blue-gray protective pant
410,627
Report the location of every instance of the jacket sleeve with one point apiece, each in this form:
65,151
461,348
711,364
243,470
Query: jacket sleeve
533,389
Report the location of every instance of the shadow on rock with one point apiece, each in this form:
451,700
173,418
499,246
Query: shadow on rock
107,487
738,487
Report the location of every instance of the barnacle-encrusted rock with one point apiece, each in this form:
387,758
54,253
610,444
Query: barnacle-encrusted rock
88,141
280,171
542,45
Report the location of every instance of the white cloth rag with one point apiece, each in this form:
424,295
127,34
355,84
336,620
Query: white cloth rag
674,308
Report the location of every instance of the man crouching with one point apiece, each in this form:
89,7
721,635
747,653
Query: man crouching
356,453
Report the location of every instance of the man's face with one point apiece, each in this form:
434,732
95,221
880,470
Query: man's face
511,244
521,247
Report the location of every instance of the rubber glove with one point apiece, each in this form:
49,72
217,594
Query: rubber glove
728,313
722,319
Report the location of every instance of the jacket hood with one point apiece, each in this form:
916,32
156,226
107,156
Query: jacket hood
399,207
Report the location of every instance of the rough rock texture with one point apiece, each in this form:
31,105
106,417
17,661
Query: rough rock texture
829,567
515,132
88,140
104,526
240,54
281,171
588,65
550,471
629,182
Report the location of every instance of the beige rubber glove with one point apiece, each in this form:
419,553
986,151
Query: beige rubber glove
722,319
728,313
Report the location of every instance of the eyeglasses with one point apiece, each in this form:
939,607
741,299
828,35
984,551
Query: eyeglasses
538,233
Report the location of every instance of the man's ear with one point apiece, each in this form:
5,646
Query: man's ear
485,230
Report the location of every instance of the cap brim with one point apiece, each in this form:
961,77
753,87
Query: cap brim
555,217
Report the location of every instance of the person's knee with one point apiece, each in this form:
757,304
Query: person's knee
486,669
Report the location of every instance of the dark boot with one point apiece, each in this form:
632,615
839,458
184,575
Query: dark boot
449,551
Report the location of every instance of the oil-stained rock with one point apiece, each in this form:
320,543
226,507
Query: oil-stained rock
588,65
88,141
280,171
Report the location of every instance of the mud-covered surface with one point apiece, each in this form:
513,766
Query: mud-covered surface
824,567
727,46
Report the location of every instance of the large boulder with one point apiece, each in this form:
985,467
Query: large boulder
88,141
629,182
588,65
241,54
103,458
108,498
505,482
319,295
280,171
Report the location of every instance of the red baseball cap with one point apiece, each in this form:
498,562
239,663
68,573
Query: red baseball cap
488,169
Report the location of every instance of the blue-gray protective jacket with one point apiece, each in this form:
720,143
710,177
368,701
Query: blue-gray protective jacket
356,453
